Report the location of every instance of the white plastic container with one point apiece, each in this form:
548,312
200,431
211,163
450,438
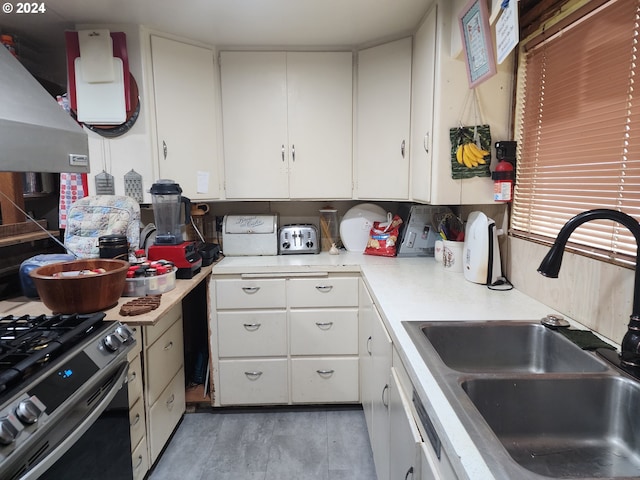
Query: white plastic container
139,287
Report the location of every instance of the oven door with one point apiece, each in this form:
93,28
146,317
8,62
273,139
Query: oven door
99,447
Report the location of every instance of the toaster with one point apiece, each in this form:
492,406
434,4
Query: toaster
299,238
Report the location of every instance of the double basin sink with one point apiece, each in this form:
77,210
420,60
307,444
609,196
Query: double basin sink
536,404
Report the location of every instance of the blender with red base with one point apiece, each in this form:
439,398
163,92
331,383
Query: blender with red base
167,200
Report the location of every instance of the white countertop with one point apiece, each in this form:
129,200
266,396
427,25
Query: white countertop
414,289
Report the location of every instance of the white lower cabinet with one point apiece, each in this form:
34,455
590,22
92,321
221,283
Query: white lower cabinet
376,351
163,375
252,333
405,439
283,339
155,384
253,381
137,423
140,460
324,379
401,449
165,414
320,340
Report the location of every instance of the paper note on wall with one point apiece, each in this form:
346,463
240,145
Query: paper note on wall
202,182
507,36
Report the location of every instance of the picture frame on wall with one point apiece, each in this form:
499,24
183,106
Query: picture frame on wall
477,45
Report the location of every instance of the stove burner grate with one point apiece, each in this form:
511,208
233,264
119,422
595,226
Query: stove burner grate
27,342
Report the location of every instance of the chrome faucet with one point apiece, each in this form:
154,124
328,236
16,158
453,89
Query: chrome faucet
550,266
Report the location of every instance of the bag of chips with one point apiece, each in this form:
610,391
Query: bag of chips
383,237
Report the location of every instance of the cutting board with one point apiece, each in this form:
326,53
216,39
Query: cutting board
73,51
100,103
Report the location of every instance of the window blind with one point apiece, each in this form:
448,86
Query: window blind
579,131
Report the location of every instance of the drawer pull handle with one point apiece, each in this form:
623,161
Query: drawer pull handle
170,401
369,345
250,290
324,288
324,325
168,346
409,472
385,402
139,464
253,375
325,373
135,420
252,327
132,377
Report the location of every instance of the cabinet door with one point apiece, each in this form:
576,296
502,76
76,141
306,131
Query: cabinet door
381,353
424,56
165,414
184,91
365,324
384,103
319,87
254,120
405,438
162,360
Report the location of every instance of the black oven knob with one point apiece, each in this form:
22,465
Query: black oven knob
29,410
10,428
112,342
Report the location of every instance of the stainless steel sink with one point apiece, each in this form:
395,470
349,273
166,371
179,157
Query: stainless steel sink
536,404
499,346
564,427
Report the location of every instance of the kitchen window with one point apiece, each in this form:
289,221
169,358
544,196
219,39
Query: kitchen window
578,128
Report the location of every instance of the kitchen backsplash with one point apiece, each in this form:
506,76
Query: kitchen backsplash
597,294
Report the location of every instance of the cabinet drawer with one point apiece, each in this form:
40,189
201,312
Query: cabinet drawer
244,382
138,347
255,333
151,334
323,292
165,414
324,332
136,422
140,460
262,293
134,380
324,380
163,359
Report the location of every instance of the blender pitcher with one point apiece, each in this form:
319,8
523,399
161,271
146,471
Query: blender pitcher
167,200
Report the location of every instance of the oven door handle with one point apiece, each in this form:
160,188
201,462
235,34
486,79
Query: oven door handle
79,430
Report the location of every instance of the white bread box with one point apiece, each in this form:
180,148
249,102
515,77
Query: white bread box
250,235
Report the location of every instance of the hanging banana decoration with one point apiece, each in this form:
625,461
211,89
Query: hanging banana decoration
470,155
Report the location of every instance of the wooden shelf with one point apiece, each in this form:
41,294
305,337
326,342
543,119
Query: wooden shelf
26,237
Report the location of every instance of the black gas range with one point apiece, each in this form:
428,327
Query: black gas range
58,375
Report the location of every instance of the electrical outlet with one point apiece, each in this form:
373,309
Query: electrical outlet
219,223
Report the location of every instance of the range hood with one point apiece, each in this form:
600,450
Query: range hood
36,134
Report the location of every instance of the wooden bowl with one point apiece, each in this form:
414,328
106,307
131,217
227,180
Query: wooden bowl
81,293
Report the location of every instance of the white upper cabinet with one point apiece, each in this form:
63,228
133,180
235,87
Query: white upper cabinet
184,83
424,60
383,121
254,123
287,122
